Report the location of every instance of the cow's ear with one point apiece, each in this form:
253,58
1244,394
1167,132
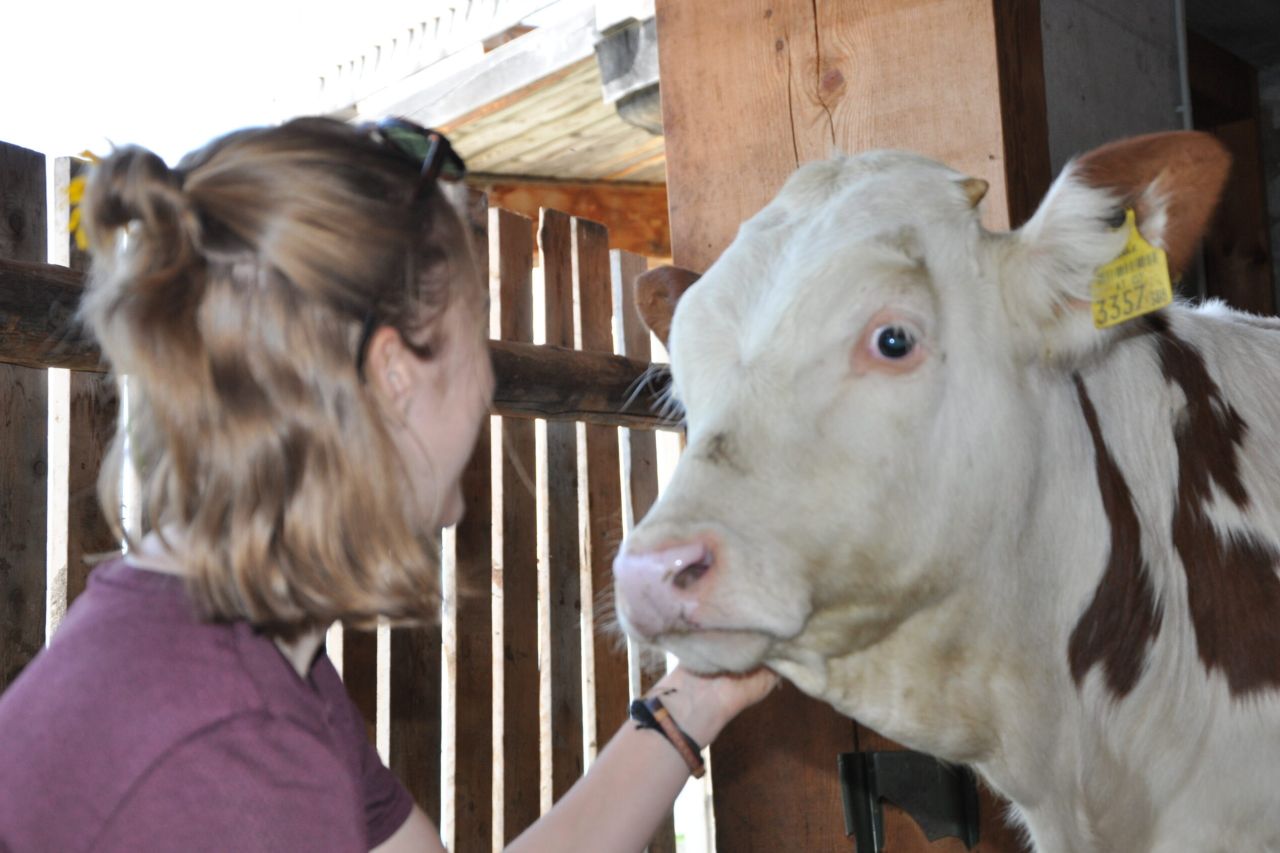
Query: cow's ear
1172,182
657,292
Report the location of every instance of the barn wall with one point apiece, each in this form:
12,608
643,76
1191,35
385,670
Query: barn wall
1110,70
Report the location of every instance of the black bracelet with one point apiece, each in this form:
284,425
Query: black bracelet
652,714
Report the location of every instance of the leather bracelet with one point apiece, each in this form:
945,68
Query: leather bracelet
652,714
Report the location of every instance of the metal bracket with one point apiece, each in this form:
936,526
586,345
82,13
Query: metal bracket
941,798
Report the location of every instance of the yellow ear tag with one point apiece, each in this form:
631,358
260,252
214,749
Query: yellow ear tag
1135,283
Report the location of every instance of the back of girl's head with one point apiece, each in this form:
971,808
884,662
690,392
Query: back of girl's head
231,292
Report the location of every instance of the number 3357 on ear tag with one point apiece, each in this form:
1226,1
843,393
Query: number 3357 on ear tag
1135,283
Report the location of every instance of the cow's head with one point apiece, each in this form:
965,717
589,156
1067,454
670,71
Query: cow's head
852,372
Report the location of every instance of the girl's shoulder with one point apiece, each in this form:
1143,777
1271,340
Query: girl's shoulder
131,676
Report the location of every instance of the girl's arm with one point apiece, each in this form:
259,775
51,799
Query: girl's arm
619,803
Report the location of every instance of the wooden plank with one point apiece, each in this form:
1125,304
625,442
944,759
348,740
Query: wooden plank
23,470
473,782
570,120
497,79
37,304
956,80
640,447
93,413
24,415
474,779
516,535
635,214
603,498
563,669
360,674
532,381
533,111
415,714
830,75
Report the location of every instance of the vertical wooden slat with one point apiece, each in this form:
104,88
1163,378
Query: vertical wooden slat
473,783
94,411
360,674
511,252
603,496
474,764
564,659
641,446
94,414
415,714
24,413
639,455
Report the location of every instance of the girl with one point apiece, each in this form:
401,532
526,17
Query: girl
303,328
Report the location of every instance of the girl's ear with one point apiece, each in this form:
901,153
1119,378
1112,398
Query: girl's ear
388,366
1172,182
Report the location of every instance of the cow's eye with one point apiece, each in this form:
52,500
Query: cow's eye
894,342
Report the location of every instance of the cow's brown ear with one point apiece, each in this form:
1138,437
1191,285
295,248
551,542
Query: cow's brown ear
657,292
1171,180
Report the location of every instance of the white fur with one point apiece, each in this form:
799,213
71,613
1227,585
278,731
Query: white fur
916,549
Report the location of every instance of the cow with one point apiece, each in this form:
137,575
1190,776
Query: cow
926,487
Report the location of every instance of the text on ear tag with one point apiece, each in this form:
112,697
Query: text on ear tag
1135,283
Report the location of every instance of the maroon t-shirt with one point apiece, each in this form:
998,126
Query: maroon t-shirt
141,728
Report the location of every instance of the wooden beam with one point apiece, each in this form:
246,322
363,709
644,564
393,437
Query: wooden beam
635,214
37,302
37,306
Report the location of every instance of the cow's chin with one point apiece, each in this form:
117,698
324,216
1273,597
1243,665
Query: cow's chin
711,652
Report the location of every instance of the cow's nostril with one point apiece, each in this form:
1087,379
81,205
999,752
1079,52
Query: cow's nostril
692,573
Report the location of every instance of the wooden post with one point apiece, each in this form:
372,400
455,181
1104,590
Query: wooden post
750,90
24,414
516,537
562,590
606,651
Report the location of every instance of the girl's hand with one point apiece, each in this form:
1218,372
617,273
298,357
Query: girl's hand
702,705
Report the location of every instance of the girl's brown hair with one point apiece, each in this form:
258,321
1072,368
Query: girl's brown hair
231,292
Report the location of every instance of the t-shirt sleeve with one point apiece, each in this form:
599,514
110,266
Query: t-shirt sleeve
251,783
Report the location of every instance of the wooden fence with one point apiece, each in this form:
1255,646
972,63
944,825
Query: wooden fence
491,715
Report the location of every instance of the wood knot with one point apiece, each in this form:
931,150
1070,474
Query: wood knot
832,80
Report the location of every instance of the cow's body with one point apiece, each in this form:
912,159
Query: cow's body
1044,550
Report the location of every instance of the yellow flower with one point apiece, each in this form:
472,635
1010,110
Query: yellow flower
75,194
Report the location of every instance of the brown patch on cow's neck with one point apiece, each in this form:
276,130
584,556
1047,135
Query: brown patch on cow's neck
719,450
1123,618
1233,590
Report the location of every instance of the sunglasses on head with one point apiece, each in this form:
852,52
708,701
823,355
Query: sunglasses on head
436,160
430,149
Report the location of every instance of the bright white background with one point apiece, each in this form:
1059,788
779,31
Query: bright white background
173,75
